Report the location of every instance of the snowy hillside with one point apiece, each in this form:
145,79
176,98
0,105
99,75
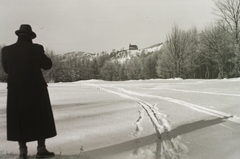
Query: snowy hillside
153,48
124,55
121,55
79,55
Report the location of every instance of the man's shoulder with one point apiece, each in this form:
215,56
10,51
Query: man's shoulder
8,47
38,46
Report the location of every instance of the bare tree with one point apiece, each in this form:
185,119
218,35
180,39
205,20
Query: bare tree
229,13
175,50
178,53
216,48
133,69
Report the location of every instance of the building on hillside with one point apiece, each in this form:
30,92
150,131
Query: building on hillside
133,47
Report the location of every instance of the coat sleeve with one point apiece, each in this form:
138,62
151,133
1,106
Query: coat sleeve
4,64
44,61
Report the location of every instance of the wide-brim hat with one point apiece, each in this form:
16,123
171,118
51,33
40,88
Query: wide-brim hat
26,29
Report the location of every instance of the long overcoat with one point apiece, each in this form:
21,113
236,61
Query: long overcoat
29,112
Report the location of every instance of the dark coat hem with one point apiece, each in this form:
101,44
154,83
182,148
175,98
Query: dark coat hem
29,140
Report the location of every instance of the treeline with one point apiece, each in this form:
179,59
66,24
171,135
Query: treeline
102,67
191,54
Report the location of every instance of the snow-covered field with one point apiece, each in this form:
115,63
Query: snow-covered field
125,120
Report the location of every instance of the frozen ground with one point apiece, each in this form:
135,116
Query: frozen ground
125,120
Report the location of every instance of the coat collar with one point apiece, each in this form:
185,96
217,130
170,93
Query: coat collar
24,38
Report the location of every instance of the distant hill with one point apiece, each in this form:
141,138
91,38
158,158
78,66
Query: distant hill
78,55
121,55
153,48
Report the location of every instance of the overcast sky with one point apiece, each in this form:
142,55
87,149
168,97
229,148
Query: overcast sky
101,25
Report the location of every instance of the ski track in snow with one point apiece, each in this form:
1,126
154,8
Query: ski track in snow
202,92
198,108
138,124
202,109
166,148
148,107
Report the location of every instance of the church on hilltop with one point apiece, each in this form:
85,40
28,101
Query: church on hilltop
133,47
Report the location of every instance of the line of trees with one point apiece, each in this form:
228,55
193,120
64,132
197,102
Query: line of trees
213,52
102,67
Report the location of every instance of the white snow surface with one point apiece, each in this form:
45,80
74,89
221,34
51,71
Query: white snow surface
143,119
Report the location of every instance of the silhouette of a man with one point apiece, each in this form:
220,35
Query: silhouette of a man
29,112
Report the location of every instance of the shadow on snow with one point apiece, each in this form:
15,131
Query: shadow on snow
137,143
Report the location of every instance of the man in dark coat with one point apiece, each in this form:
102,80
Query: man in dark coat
29,112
